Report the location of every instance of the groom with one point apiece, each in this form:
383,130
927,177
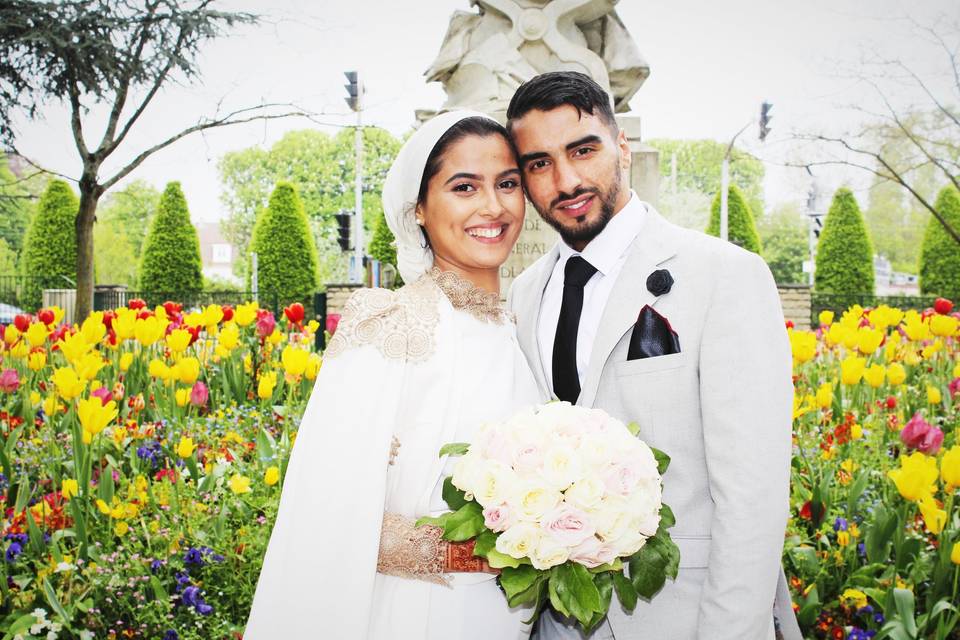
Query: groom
675,330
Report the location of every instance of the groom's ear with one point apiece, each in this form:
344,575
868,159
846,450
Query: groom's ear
623,147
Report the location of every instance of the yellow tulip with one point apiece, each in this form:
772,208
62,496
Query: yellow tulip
94,415
917,476
803,344
21,350
159,369
266,385
182,396
824,397
312,326
884,316
826,317
950,468
50,405
928,351
125,324
185,447
125,361
943,326
874,375
69,488
896,374
275,338
956,370
229,336
915,327
245,313
121,528
37,360
89,365
272,476
294,360
868,340
314,362
955,553
11,334
37,334
148,330
212,315
74,347
69,385
933,395
239,483
851,369
93,329
188,370
856,431
178,340
933,516
35,398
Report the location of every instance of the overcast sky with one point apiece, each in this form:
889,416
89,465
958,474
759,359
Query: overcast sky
712,63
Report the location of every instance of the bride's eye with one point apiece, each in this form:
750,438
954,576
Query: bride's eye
508,184
465,187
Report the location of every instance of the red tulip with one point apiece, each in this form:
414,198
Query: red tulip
942,306
46,316
172,308
294,313
194,334
21,322
136,304
332,321
108,317
143,315
227,312
265,323
891,402
789,324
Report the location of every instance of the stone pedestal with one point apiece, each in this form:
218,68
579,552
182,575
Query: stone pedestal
795,300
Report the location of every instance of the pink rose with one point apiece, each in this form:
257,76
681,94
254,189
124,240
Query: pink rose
497,519
592,553
568,525
921,435
622,478
494,445
528,458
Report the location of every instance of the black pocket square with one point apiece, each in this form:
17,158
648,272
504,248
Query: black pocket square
652,336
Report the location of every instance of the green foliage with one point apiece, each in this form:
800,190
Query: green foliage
321,167
123,218
170,262
286,253
382,246
50,244
740,227
783,232
940,257
844,262
8,259
16,206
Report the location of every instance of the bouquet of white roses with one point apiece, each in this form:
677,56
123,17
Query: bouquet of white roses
566,502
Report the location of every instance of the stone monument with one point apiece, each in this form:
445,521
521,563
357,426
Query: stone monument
488,53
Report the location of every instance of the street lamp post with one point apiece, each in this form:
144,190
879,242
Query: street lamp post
765,118
355,100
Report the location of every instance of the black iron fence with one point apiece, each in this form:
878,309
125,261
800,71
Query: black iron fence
840,302
24,294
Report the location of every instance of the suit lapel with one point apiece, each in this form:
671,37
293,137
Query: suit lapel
531,313
655,243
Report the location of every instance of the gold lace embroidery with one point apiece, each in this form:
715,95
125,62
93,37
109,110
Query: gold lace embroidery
400,324
466,296
413,552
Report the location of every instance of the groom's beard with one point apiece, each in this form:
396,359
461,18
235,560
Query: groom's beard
584,233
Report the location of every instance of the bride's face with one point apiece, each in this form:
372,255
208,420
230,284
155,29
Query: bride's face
474,206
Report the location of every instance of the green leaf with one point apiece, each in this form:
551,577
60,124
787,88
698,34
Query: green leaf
903,599
266,445
485,542
667,519
453,496
626,593
604,583
856,490
465,523
572,586
656,560
663,460
436,521
454,449
158,591
21,625
499,560
879,536
517,580
55,602
634,429
809,608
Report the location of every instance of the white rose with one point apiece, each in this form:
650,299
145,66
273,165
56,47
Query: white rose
611,517
597,451
585,493
561,467
532,499
548,553
527,459
630,542
496,483
468,470
592,553
520,540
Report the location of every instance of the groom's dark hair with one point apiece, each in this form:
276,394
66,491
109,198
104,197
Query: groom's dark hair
557,88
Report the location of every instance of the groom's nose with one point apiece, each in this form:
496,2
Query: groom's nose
565,177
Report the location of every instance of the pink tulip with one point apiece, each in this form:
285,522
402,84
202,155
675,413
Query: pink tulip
333,320
265,323
954,387
9,381
104,394
921,435
199,394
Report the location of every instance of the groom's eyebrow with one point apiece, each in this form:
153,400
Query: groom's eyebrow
591,139
536,155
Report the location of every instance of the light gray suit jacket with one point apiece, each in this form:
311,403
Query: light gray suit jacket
721,409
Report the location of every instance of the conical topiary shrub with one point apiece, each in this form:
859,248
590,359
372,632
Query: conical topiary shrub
741,230
170,261
940,255
844,263
382,246
50,244
286,252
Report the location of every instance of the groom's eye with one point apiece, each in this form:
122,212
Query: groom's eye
582,151
537,164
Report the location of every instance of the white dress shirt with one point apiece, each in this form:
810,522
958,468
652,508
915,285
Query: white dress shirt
607,252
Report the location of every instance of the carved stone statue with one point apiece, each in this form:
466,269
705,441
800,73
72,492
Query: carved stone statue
485,56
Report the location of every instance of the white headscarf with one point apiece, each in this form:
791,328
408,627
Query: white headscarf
402,186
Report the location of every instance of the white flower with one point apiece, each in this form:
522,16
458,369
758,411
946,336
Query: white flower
585,493
549,553
611,518
561,467
567,525
533,499
520,540
86,635
468,470
495,484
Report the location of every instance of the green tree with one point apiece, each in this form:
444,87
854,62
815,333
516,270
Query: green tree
382,246
844,263
170,261
741,229
123,218
321,167
783,233
286,253
8,259
940,257
50,244
16,207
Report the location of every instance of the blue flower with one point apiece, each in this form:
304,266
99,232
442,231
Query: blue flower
13,551
840,524
171,635
878,618
193,556
155,566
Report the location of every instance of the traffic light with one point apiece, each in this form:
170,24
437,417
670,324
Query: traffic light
354,89
343,230
765,118
817,226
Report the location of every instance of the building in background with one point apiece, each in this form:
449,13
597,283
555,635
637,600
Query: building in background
217,253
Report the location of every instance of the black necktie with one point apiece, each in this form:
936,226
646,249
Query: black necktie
566,382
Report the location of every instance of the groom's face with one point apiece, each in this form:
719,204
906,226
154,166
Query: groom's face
574,170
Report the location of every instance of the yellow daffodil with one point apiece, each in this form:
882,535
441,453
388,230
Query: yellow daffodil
826,317
851,369
93,329
933,395
69,488
94,415
178,340
245,313
874,375
272,476
37,360
294,360
917,476
266,385
239,484
69,385
868,340
896,374
933,516
188,370
943,326
37,334
950,468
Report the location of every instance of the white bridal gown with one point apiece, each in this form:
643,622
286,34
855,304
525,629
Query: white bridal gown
406,372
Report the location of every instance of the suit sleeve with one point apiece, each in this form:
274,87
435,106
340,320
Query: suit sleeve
746,396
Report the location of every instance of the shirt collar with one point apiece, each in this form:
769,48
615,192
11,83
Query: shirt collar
605,250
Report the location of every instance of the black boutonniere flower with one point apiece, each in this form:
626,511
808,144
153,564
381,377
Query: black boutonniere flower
659,282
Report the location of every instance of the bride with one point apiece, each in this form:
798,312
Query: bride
406,372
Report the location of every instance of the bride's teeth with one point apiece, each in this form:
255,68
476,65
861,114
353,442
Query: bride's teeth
486,233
